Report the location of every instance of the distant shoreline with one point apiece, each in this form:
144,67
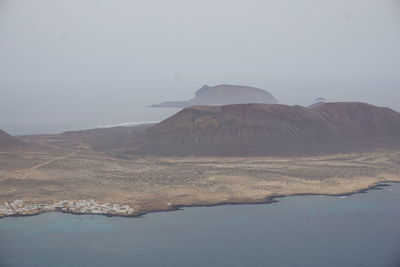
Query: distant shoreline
268,200
126,124
272,199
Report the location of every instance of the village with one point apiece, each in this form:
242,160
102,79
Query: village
21,208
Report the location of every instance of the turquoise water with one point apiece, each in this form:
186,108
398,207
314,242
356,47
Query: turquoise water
359,230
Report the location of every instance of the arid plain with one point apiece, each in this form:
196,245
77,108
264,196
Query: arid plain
73,171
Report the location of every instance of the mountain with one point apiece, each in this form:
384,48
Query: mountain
270,130
224,94
9,142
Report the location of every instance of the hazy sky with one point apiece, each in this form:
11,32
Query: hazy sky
80,63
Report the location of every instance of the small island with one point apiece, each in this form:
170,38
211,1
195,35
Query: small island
202,156
223,94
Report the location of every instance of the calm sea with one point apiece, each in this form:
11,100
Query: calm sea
53,123
360,230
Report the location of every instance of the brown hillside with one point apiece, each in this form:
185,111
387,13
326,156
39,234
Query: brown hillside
9,142
265,129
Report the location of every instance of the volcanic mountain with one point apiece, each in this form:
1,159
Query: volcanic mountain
224,94
272,130
9,142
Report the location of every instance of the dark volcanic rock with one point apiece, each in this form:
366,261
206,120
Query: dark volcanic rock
223,95
275,130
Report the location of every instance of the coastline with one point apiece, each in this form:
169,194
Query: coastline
267,200
270,199
70,180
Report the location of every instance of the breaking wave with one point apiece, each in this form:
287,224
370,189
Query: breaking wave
126,124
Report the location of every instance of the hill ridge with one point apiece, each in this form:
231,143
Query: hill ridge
270,129
9,142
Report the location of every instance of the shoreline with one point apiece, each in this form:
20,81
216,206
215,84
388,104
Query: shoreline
267,200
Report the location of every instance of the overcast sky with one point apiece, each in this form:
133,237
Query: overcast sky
80,63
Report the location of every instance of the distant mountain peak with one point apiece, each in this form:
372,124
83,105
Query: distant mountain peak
224,94
320,99
317,102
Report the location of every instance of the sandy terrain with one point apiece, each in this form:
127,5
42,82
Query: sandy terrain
153,183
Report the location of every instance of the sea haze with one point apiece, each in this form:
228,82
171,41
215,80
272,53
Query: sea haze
82,121
296,231
61,71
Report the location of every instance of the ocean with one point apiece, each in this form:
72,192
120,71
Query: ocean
303,231
50,123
